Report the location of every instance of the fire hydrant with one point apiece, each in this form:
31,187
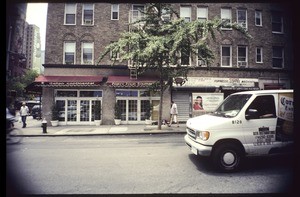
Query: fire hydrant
44,125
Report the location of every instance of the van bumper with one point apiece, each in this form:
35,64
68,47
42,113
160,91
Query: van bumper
196,148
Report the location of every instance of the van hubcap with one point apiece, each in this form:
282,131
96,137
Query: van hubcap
228,158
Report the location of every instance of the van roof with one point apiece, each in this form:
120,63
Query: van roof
266,91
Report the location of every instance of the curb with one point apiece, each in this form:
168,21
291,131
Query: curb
99,134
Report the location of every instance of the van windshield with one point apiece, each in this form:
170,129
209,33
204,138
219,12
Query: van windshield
232,105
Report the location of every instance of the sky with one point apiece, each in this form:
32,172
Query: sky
37,14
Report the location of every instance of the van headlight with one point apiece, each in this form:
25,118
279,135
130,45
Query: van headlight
203,135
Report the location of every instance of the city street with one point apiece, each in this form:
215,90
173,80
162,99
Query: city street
133,164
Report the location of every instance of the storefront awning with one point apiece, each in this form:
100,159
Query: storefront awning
67,81
126,81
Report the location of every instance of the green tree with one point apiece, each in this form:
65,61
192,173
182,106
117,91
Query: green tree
18,84
158,44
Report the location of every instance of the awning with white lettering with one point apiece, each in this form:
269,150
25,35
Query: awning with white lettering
67,81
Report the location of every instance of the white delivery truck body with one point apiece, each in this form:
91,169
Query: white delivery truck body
245,124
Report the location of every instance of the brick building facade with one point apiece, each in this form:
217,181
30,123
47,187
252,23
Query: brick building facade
77,34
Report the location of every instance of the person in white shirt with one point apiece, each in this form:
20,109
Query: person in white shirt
23,113
174,113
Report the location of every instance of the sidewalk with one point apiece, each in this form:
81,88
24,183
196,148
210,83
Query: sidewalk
34,129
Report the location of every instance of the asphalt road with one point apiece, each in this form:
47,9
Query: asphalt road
144,164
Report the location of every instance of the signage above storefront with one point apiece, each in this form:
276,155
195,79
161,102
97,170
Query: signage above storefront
127,82
217,82
69,83
131,84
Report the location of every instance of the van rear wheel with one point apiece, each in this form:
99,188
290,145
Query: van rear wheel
227,157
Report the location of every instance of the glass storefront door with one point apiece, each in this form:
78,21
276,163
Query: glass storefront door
84,110
132,110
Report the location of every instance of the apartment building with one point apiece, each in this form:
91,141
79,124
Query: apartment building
33,48
78,32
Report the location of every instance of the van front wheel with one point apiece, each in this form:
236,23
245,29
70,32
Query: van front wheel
227,157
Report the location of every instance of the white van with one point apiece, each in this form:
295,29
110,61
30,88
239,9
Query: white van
249,123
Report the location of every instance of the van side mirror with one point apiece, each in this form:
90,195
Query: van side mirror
251,114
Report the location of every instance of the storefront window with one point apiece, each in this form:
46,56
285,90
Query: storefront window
144,93
66,93
90,93
131,93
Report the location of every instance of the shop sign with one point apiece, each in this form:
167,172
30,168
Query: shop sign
131,84
69,83
217,82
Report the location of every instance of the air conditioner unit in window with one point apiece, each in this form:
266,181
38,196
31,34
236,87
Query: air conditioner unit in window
88,21
242,64
201,63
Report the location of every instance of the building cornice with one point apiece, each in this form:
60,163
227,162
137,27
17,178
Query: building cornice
235,69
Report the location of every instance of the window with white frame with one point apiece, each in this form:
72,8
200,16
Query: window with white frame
258,18
114,11
242,18
87,53
69,52
202,13
137,12
277,22
226,16
278,54
226,55
70,13
165,15
259,55
88,14
185,13
242,57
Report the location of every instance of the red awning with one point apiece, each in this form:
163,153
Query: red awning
126,81
59,81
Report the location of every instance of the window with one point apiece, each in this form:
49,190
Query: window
114,11
277,22
201,61
87,53
226,16
242,18
165,15
114,55
265,106
278,54
185,56
202,14
226,56
242,56
185,13
69,52
259,55
70,13
137,12
88,14
258,18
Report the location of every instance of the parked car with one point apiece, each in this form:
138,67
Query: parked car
36,111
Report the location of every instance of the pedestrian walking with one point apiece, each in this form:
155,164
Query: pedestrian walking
24,111
174,113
